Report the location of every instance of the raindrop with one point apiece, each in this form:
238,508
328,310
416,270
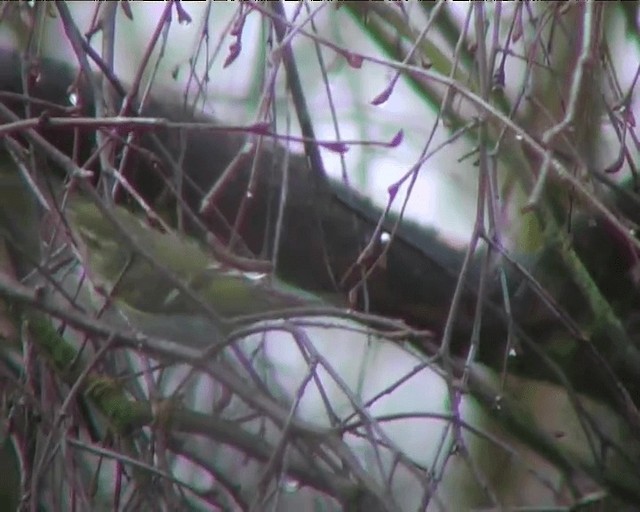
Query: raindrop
290,485
73,99
255,276
385,238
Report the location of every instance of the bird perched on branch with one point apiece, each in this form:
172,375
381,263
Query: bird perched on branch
149,272
321,235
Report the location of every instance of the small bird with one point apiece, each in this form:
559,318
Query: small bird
116,265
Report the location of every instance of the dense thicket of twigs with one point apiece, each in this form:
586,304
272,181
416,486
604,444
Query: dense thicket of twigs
547,287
